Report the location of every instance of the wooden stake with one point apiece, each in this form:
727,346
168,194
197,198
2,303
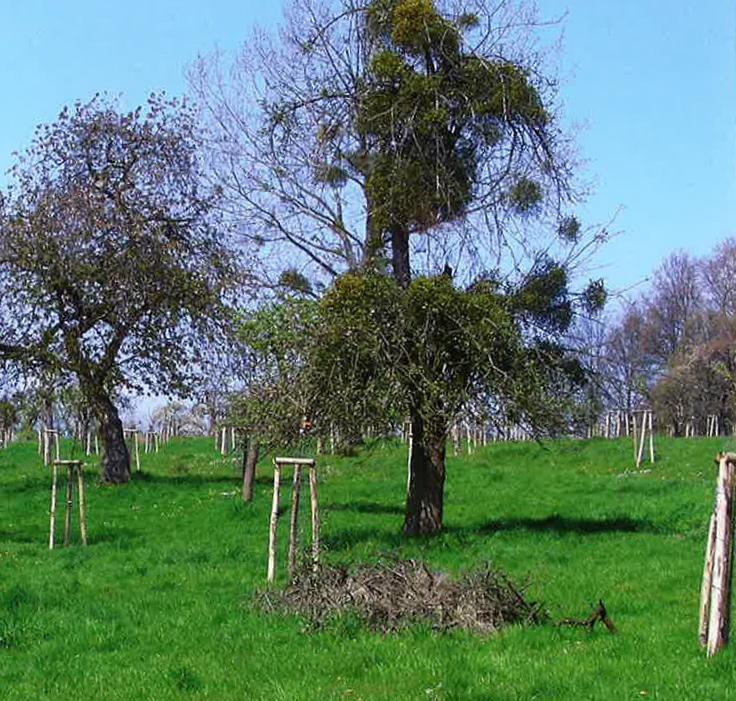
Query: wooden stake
634,433
315,515
137,452
82,510
706,585
271,574
721,580
651,438
294,522
69,504
410,450
52,523
642,436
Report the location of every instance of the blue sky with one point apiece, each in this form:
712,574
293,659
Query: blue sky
651,82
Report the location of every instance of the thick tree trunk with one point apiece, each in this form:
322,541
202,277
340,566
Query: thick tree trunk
250,460
426,487
426,484
115,456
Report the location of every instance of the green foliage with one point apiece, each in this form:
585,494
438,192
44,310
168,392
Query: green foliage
433,348
277,396
294,281
433,113
543,297
8,414
525,196
569,229
595,296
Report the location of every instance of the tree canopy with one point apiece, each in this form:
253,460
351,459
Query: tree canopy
112,263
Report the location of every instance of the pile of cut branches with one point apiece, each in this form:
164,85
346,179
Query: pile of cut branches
390,596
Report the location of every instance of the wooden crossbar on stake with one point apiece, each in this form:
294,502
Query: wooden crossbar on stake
74,475
715,591
46,435
297,464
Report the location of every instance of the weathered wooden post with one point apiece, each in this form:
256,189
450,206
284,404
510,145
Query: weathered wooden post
52,510
715,594
223,441
294,521
132,433
297,464
273,523
314,501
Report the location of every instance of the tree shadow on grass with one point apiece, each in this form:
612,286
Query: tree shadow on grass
184,479
348,539
563,524
40,537
28,485
365,507
555,524
26,536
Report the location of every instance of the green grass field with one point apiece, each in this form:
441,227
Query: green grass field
160,605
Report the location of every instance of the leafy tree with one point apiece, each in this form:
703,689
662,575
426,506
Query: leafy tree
276,397
432,349
111,262
370,132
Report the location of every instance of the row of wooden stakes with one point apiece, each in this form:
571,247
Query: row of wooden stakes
49,443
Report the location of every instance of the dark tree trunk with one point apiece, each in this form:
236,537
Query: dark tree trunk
250,460
400,256
115,455
425,491
426,487
47,412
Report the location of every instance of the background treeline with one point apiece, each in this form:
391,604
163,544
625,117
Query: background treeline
671,348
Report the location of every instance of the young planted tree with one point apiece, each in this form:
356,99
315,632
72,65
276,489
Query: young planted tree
111,265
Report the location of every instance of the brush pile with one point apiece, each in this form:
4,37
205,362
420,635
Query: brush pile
388,597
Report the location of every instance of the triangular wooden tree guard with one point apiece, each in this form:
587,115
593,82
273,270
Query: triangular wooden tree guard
643,427
715,592
297,464
74,474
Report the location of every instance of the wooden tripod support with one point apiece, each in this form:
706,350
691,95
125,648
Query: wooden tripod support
297,464
74,473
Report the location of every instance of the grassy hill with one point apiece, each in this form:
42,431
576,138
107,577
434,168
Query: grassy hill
160,605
